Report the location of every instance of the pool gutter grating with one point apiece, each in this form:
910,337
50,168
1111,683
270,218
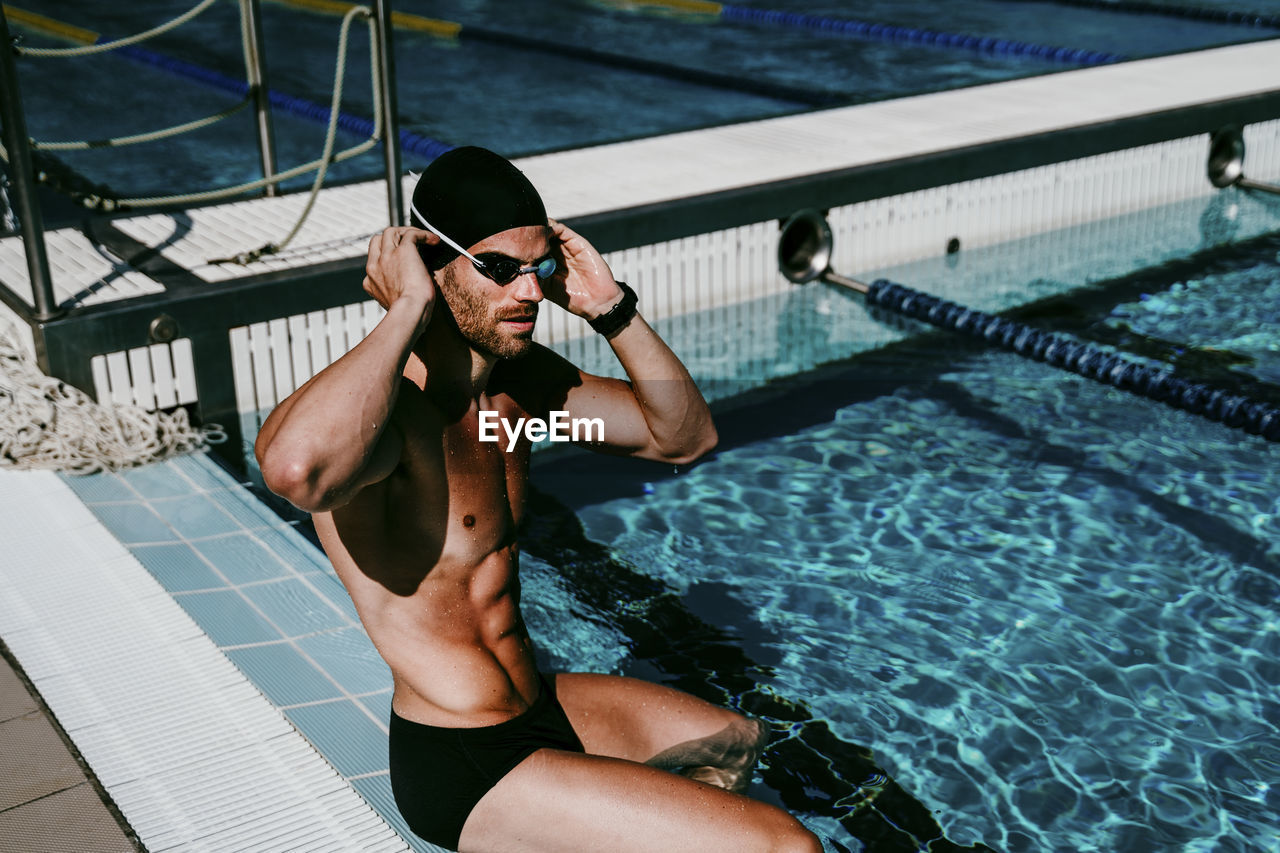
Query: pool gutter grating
193,754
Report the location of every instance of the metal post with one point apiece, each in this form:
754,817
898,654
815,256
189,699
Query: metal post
257,68
24,182
390,118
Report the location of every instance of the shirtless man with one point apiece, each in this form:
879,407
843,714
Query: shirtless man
419,517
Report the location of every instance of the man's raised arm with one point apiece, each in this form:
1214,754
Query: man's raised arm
332,436
660,414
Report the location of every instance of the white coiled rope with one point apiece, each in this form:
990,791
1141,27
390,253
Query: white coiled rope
45,423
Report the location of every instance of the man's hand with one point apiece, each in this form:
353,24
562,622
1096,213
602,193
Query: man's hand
583,284
395,270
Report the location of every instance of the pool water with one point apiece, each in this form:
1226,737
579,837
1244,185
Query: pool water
1191,317
544,95
975,595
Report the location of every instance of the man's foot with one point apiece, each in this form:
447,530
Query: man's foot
724,759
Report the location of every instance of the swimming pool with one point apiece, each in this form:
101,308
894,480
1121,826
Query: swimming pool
968,588
476,90
1050,641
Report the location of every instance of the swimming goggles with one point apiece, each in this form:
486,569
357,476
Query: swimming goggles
497,267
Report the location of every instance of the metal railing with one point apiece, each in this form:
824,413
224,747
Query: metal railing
18,146
256,65
27,207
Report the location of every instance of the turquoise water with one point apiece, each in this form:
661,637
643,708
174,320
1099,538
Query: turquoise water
539,97
1048,608
1191,315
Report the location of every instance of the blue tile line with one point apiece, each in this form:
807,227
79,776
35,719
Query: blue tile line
194,516
177,566
242,558
293,605
155,481
187,515
344,733
227,617
264,664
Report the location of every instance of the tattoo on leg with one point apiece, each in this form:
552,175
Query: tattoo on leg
724,759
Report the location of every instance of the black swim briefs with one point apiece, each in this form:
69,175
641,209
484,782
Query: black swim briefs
439,774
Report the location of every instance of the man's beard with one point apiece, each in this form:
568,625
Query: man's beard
481,330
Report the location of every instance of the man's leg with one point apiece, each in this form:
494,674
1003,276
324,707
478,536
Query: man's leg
661,726
568,801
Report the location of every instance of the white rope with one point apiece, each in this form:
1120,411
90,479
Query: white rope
339,73
163,133
322,163
45,423
327,157
320,166
227,192
309,250
88,49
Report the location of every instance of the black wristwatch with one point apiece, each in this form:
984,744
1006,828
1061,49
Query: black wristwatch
617,317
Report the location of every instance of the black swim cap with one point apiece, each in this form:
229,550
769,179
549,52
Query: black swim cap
469,194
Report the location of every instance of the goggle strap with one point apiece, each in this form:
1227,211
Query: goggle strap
444,237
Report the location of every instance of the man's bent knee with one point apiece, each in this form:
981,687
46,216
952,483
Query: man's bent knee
803,841
792,837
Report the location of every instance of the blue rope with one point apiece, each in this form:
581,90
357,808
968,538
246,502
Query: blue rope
917,35
1156,383
409,141
1220,16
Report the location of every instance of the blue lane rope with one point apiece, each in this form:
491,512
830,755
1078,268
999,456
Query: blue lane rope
1156,383
409,141
1194,13
918,35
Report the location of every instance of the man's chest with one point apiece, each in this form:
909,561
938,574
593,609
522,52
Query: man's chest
467,490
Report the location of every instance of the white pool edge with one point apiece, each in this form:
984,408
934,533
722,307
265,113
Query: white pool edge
195,757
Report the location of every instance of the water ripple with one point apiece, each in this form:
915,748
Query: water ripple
1050,608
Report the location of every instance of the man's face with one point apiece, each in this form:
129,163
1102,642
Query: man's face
494,318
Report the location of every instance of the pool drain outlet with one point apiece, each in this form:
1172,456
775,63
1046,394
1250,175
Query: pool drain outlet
1226,162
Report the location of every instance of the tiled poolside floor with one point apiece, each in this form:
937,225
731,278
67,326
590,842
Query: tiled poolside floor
268,599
